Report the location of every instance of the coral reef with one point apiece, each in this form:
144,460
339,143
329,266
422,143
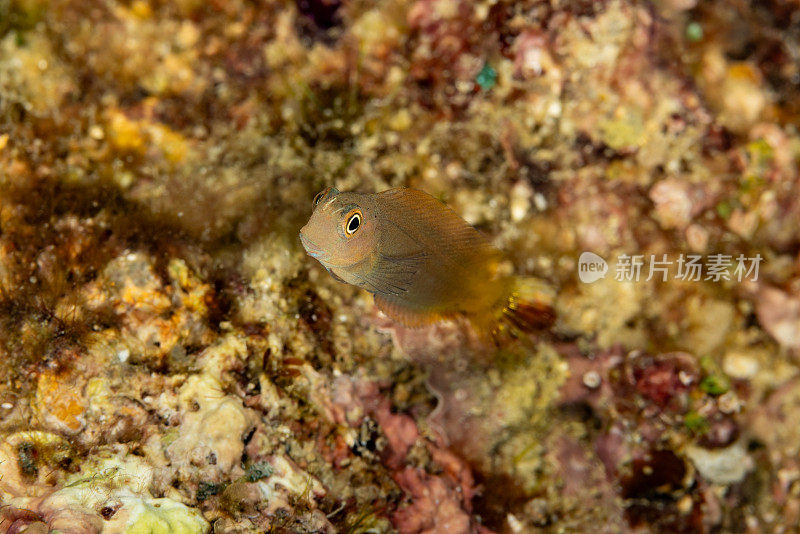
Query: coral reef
171,361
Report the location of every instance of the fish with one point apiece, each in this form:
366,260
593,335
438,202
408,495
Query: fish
421,261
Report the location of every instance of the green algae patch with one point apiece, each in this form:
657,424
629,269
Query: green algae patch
695,423
165,516
715,385
259,470
694,32
487,77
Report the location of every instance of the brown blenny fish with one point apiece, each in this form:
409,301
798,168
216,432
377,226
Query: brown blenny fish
420,260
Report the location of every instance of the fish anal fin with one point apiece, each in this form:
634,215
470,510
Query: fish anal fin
406,316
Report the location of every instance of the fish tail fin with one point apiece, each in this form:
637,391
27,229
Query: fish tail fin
528,308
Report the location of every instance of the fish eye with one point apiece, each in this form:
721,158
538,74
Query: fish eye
353,223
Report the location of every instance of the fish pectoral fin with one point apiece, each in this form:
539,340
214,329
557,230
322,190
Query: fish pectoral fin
394,275
334,275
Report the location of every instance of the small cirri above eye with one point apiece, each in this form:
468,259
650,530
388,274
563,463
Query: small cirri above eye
319,196
353,222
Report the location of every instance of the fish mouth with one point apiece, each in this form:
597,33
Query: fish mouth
312,249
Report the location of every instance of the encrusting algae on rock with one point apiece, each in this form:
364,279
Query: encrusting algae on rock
420,260
171,361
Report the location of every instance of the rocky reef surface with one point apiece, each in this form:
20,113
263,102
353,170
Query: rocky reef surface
172,362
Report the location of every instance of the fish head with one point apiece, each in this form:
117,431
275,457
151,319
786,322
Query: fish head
342,230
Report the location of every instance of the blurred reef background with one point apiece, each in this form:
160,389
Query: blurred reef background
172,362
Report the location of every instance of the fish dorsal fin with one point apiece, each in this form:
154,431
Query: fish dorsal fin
434,228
